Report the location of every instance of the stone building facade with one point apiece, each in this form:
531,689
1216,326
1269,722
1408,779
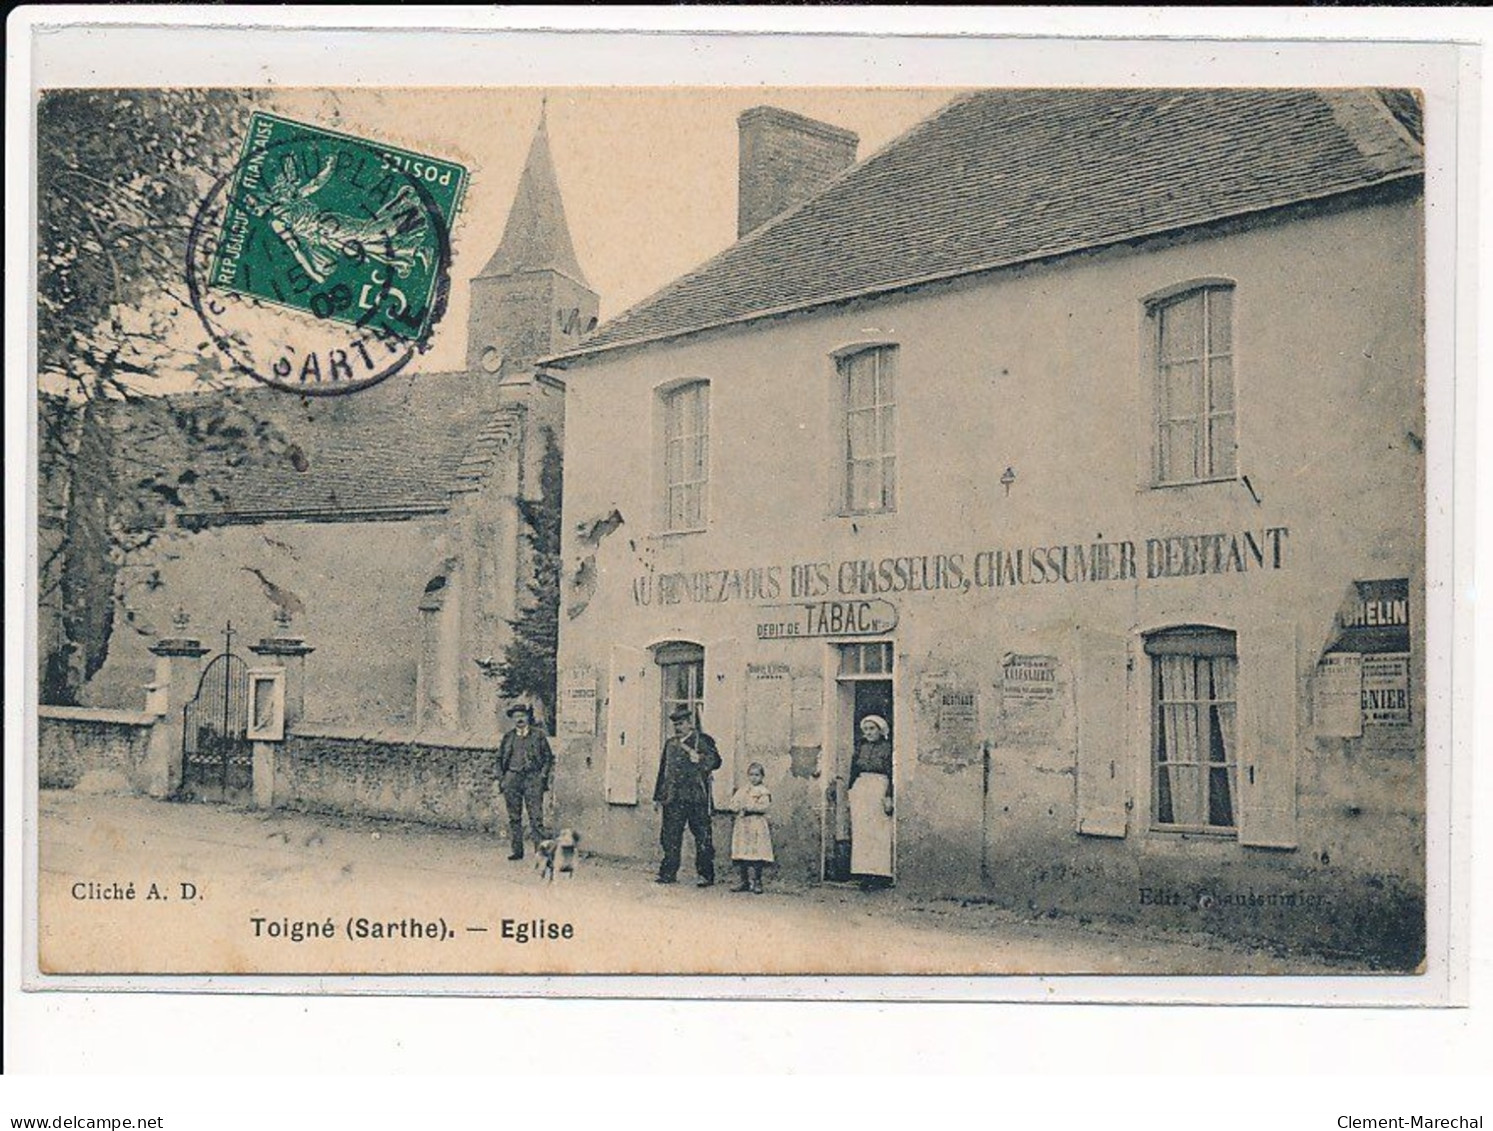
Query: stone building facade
1079,435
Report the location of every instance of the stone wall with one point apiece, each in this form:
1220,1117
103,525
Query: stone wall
75,742
396,777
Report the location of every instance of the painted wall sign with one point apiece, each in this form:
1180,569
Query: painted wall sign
1386,691
1134,560
826,618
1336,696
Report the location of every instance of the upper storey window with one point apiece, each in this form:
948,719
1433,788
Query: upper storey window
1195,416
868,386
686,455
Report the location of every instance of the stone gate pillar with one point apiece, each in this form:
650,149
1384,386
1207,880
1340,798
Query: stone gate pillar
178,670
288,653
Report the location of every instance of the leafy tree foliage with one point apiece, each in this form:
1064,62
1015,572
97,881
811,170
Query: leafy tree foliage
119,175
528,667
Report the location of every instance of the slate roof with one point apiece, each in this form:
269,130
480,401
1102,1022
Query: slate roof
536,236
1002,177
408,445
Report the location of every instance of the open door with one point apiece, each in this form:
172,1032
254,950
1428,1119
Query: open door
863,687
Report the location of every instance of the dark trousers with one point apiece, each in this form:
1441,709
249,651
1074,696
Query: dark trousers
520,794
696,817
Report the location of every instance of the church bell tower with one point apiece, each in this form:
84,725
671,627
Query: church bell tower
531,300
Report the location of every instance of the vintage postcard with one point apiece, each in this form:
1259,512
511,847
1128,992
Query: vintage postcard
735,530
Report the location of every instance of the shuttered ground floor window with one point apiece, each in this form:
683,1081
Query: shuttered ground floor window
645,686
682,672
1201,722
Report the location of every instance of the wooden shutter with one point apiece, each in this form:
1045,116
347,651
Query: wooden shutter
1103,738
724,676
1267,692
628,733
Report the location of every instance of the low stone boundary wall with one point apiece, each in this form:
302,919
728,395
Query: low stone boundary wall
403,778
109,745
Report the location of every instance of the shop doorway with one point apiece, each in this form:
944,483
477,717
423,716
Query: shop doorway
864,688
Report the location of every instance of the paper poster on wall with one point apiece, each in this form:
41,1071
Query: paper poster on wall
958,721
578,703
808,709
1386,691
1336,694
1029,697
1375,618
958,710
946,707
769,706
1028,679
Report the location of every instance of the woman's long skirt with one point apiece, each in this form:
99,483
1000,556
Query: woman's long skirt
870,827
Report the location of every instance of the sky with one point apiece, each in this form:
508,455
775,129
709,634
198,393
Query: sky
648,175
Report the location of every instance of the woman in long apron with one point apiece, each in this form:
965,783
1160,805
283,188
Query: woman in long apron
871,805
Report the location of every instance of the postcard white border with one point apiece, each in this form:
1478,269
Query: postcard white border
118,59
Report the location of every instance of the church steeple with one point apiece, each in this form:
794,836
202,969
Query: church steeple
532,297
536,237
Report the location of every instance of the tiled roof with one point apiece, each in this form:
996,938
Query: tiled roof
1002,177
407,445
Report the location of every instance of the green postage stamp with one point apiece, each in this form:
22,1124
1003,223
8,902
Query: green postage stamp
339,227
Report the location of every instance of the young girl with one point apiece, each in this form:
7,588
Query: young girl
751,836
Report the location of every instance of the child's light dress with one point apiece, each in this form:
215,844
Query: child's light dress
751,836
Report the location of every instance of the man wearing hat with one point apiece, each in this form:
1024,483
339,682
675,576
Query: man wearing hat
683,791
525,764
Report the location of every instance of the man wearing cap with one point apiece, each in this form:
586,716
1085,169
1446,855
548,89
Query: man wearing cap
683,791
525,764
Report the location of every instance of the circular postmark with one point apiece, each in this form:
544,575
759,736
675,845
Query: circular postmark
320,264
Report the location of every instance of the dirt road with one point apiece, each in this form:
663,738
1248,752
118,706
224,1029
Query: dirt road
219,890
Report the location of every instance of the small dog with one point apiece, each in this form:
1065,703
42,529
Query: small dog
555,858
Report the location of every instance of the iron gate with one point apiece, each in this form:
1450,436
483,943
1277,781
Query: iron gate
217,755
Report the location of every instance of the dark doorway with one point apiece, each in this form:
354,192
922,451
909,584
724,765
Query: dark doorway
864,686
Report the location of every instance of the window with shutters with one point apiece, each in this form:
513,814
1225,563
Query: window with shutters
868,429
1193,350
1195,746
685,456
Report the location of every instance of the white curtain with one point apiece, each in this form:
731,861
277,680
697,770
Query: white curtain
1225,681
1185,769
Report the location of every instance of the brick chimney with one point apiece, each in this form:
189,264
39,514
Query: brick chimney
785,159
